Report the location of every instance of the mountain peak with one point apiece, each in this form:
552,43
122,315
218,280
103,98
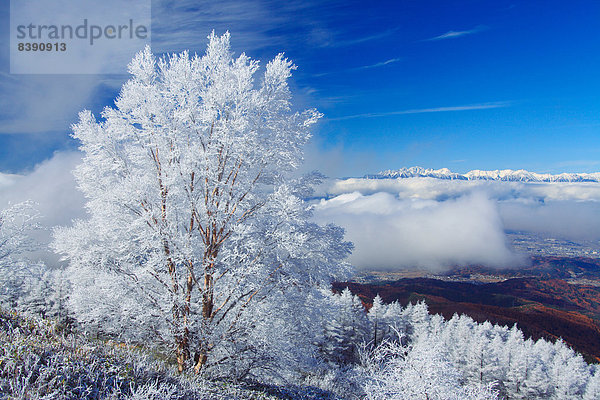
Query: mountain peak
506,175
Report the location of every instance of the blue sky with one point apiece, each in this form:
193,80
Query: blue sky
458,84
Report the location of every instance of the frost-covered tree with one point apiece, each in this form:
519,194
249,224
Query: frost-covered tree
482,358
418,371
45,293
29,287
592,390
16,224
567,371
376,313
197,237
346,329
517,360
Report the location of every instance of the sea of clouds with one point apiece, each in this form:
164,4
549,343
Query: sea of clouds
434,224
394,223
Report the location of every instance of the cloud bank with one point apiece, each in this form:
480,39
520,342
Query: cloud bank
389,232
434,224
441,189
572,220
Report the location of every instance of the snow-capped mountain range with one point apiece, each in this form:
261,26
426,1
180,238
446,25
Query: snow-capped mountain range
507,175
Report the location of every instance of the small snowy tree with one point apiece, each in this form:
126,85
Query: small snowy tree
376,318
196,233
16,224
346,329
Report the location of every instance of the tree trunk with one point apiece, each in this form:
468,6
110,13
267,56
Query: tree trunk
183,352
180,358
207,310
200,362
207,297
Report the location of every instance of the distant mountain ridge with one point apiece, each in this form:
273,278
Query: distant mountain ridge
506,175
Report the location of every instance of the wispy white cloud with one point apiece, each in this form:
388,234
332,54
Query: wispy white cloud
379,64
468,107
456,34
185,24
361,39
362,67
256,25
